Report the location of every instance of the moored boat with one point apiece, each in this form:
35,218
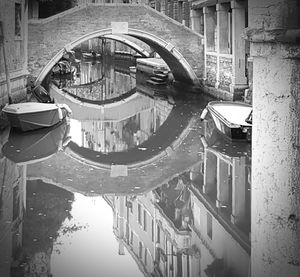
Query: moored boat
231,118
33,115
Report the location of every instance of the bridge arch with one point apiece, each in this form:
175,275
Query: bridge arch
181,69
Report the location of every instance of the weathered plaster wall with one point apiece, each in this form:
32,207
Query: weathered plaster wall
15,40
276,139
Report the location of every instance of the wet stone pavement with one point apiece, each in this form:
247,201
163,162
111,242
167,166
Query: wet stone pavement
139,186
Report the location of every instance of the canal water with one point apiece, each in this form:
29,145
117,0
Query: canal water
132,184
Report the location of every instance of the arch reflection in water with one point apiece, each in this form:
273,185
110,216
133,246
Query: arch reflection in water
120,134
175,229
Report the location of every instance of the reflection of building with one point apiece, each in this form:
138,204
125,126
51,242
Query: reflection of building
198,223
12,205
145,228
221,206
13,17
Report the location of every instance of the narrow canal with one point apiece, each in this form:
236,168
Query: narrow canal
132,184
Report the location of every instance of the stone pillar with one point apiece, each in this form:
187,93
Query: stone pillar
239,80
276,138
209,34
210,173
209,28
222,184
238,190
33,12
196,23
222,36
163,6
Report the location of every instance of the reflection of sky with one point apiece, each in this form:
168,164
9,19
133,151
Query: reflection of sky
93,247
75,131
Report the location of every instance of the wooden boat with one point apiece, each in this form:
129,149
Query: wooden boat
33,115
233,119
38,145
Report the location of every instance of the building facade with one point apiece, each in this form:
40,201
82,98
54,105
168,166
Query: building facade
13,49
228,66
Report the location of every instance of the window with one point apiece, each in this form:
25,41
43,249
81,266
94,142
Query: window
18,20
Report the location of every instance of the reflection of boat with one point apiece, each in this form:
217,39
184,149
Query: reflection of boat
92,55
231,118
37,145
132,69
32,115
41,94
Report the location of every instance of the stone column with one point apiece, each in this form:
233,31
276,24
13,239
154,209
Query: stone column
209,34
222,184
238,190
209,28
273,33
239,80
33,12
195,20
222,36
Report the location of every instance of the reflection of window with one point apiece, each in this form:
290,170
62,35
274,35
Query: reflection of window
158,234
140,214
131,238
146,254
152,230
18,20
145,221
209,225
16,201
140,250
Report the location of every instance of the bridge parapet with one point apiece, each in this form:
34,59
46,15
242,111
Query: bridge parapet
178,45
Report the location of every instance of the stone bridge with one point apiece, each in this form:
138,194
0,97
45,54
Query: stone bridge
180,47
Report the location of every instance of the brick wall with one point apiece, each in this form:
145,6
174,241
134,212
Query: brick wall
49,36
